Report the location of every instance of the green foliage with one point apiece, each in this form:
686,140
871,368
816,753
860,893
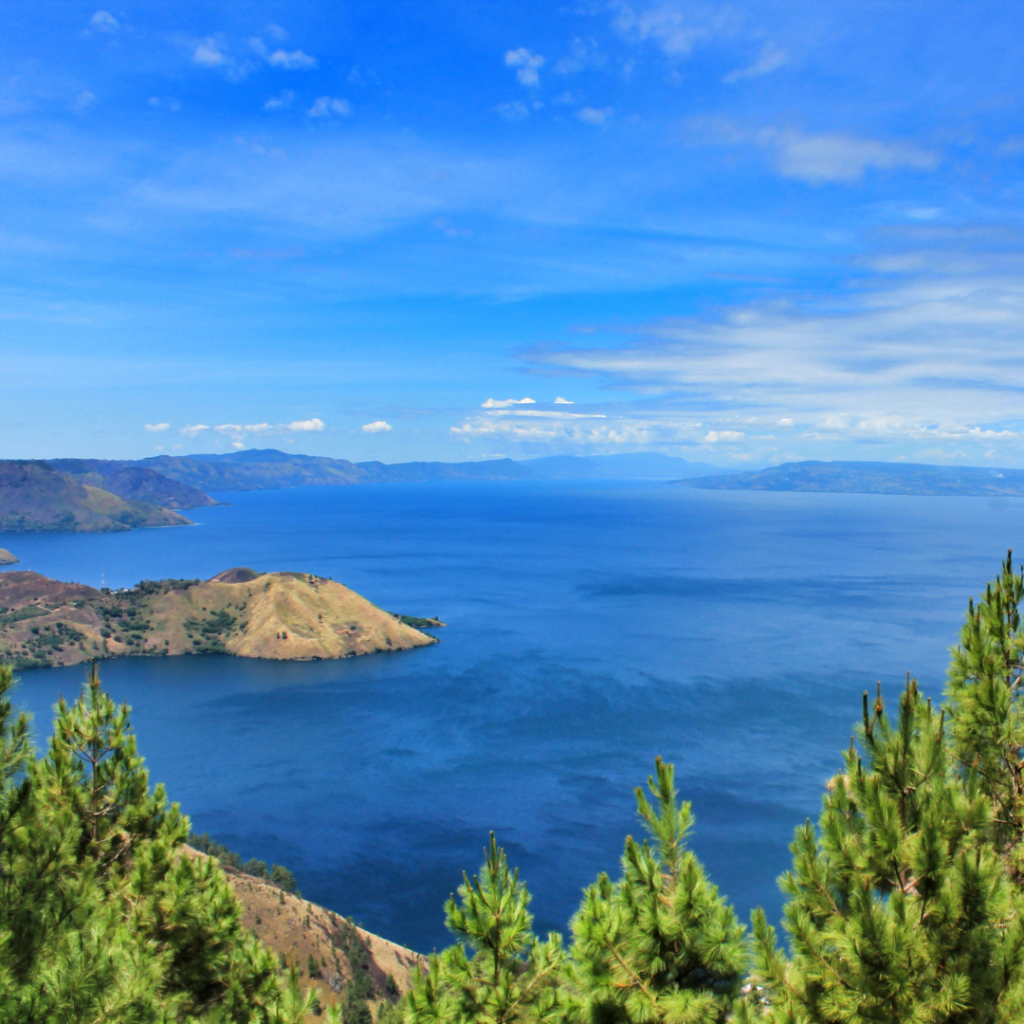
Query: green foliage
660,944
282,877
499,972
102,917
899,909
984,700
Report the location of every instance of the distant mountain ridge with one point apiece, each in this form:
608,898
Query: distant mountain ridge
872,478
267,469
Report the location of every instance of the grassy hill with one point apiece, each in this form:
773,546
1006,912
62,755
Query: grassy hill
284,616
6,558
34,497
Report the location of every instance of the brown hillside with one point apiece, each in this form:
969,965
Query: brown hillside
34,497
284,616
6,558
297,930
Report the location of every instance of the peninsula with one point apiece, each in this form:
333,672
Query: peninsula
287,616
36,498
6,558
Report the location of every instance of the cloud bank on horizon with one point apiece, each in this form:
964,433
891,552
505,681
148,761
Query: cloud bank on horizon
738,232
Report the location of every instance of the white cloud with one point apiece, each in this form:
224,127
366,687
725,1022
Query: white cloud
377,427
932,356
771,59
83,101
527,64
193,430
296,60
563,401
305,426
157,427
104,21
841,158
208,54
276,32
503,403
594,116
514,111
327,105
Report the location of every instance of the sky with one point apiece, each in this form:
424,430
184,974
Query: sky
740,233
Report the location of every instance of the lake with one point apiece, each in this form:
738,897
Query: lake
591,627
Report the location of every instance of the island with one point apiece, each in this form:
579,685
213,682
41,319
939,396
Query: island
6,558
286,616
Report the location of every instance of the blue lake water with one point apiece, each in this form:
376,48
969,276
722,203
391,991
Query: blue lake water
591,628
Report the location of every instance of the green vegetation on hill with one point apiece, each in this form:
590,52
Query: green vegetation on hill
34,497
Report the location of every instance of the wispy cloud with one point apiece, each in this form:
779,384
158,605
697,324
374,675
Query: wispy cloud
377,427
931,354
104,21
594,116
816,158
282,101
324,106
157,427
770,59
296,60
842,158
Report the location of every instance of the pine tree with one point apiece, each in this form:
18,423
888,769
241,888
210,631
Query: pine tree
103,917
499,972
899,909
660,944
984,699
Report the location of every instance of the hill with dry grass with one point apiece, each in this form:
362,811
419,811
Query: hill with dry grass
6,558
285,616
330,951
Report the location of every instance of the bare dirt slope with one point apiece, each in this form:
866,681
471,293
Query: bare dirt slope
6,558
298,930
284,615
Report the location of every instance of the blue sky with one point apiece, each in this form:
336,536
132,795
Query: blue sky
741,233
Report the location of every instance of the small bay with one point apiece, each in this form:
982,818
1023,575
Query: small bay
591,627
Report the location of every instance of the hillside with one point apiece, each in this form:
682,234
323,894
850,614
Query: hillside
306,935
34,497
6,558
873,478
133,482
284,616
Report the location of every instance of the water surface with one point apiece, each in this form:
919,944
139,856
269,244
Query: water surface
592,626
